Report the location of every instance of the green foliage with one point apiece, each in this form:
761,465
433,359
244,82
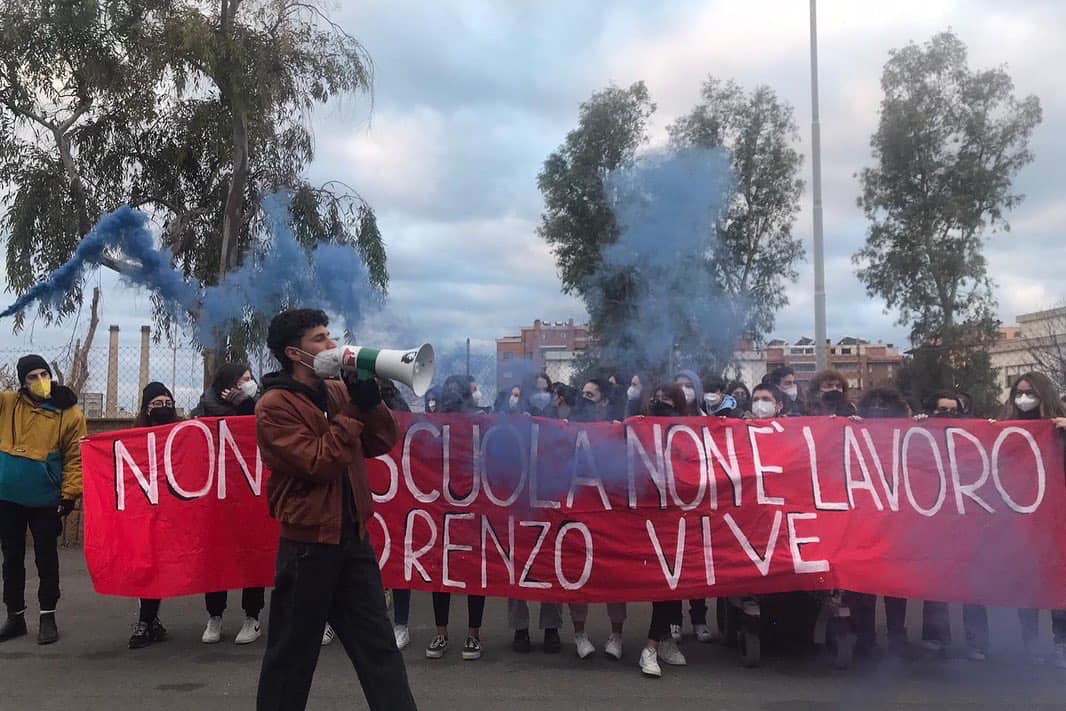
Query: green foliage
949,143
754,252
192,110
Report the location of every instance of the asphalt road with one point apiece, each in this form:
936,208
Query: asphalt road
91,668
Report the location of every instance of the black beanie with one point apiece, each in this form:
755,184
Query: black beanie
30,363
153,390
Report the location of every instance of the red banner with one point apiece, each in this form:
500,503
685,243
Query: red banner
651,509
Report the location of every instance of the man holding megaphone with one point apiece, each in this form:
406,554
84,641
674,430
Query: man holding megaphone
318,420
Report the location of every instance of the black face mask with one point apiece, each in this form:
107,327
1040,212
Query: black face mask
162,415
832,397
949,413
881,411
661,409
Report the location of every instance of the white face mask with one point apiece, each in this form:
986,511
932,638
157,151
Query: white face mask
250,388
690,393
327,363
712,400
791,391
1026,402
763,409
633,393
514,401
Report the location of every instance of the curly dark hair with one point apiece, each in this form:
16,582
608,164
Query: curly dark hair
288,327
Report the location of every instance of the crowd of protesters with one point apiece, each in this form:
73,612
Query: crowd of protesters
40,479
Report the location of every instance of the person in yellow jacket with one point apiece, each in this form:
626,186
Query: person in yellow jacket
41,428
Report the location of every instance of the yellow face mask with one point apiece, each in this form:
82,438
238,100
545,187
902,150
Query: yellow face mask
41,388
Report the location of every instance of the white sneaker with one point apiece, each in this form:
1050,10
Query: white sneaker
585,648
649,663
669,653
403,636
328,634
703,634
249,631
975,655
675,632
213,632
614,646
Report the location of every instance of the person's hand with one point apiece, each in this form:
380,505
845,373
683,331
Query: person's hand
365,394
234,395
1060,422
65,507
855,418
920,417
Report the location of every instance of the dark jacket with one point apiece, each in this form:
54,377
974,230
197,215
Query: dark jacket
211,405
310,439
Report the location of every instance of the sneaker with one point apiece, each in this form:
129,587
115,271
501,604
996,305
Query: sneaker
47,632
213,632
552,643
669,653
675,632
649,663
934,648
157,632
703,634
613,648
327,635
141,636
1059,659
249,631
403,636
521,643
14,626
585,648
472,649
976,655
437,647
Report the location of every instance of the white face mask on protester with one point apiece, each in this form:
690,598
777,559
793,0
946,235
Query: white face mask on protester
792,392
633,393
763,409
250,388
1026,402
690,393
514,401
712,400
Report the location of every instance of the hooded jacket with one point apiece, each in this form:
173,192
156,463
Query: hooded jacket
310,439
697,385
40,447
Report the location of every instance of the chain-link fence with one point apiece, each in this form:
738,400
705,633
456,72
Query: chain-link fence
113,382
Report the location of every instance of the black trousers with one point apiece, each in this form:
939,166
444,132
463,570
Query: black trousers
340,584
936,624
663,614
45,525
697,611
1029,620
475,609
252,600
149,610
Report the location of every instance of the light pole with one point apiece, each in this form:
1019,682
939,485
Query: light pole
816,189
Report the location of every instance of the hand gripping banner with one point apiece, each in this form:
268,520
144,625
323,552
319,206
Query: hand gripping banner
650,509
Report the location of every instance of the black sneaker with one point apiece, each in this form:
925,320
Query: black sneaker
552,644
472,649
157,632
48,633
141,636
437,647
521,643
14,626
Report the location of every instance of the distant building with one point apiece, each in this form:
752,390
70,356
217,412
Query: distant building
1036,343
549,346
865,365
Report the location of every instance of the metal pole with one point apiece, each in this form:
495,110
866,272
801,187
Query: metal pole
468,357
816,188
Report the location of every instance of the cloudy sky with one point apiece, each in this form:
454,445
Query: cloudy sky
470,97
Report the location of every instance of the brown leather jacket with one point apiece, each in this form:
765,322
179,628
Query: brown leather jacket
308,440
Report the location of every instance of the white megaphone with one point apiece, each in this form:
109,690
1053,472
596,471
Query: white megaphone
413,368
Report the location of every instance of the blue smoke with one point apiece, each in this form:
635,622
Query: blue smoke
125,230
667,205
329,276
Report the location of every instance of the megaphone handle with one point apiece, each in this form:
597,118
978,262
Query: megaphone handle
365,362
